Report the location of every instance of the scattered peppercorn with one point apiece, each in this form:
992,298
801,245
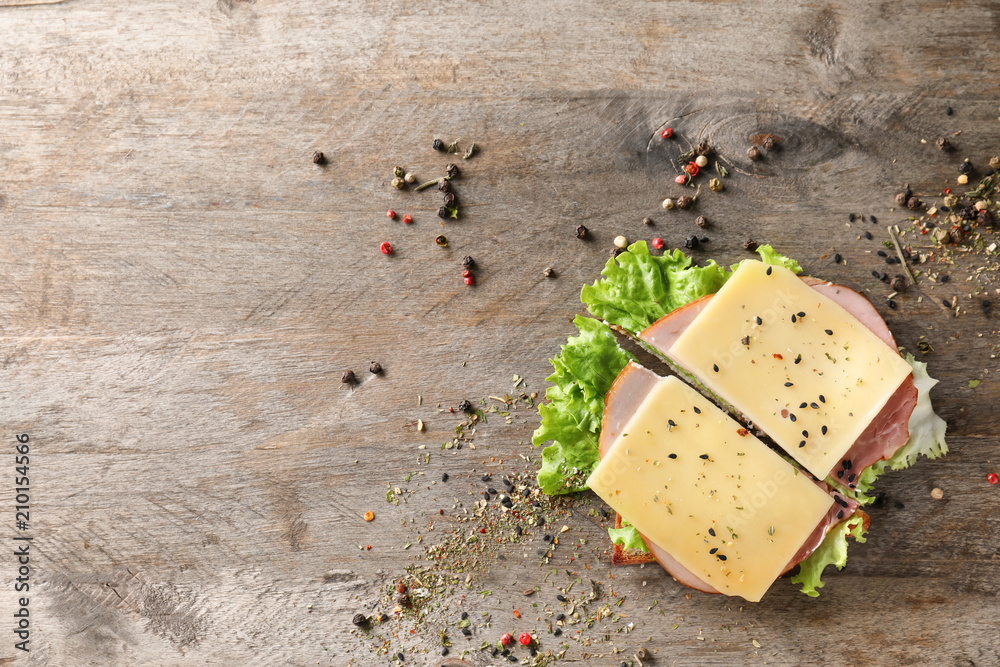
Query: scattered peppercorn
691,242
702,148
465,406
443,212
438,145
701,221
525,639
468,262
451,170
701,161
469,279
943,143
898,284
668,203
681,179
398,183
348,377
984,218
769,143
837,258
506,639
385,247
715,185
965,168
995,162
441,240
548,272
956,234
992,478
319,158
449,199
614,252
658,243
750,244
901,199
390,214
913,203
753,153
444,477
407,219
666,133
409,178
581,232
684,202
691,169
359,620
647,221
444,186
642,654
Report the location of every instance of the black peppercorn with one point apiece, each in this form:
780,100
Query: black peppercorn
898,284
451,170
769,143
403,599
984,218
616,251
468,262
444,477
947,111
956,234
438,145
913,203
901,199
443,212
967,213
449,199
750,245
465,406
684,202
891,304
702,148
965,168
691,242
943,143
444,650
701,221
348,377
872,219
753,153
375,368
581,232
444,186
319,158
837,258
360,620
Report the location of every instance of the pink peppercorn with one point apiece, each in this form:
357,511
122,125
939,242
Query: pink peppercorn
658,243
525,639
385,247
507,639
667,133
407,219
469,280
681,180
992,478
390,214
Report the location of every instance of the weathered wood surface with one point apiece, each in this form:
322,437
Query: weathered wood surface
182,289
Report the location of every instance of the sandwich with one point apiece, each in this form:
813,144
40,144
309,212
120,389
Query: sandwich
799,377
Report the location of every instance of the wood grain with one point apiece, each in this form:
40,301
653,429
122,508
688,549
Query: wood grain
183,289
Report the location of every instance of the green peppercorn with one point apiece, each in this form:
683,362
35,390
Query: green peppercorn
398,183
441,241
398,172
715,185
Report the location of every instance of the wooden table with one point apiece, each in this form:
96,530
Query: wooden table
183,289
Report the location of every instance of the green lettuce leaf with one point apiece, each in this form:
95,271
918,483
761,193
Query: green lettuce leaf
571,417
832,551
628,537
927,432
638,288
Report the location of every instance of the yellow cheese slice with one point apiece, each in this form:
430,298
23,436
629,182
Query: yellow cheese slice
798,365
720,502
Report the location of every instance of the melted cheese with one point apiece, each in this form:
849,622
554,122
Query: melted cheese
720,502
813,384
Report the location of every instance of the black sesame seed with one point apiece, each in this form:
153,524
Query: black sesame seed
802,405
805,434
711,531
671,456
444,477
557,632
703,456
798,358
836,258
840,474
788,384
851,477
444,650
850,217
486,495
873,219
824,430
769,270
486,477
547,538
829,332
491,491
713,550
814,405
946,302
541,520
881,253
800,314
466,631
400,657
868,235
848,464
891,260
759,321
670,423
791,416
793,319
944,279
875,274
884,277
561,598
519,530
697,410
840,514
561,617
802,444
822,398
720,556
715,367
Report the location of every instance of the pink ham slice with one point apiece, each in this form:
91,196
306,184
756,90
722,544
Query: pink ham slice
885,434
622,400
